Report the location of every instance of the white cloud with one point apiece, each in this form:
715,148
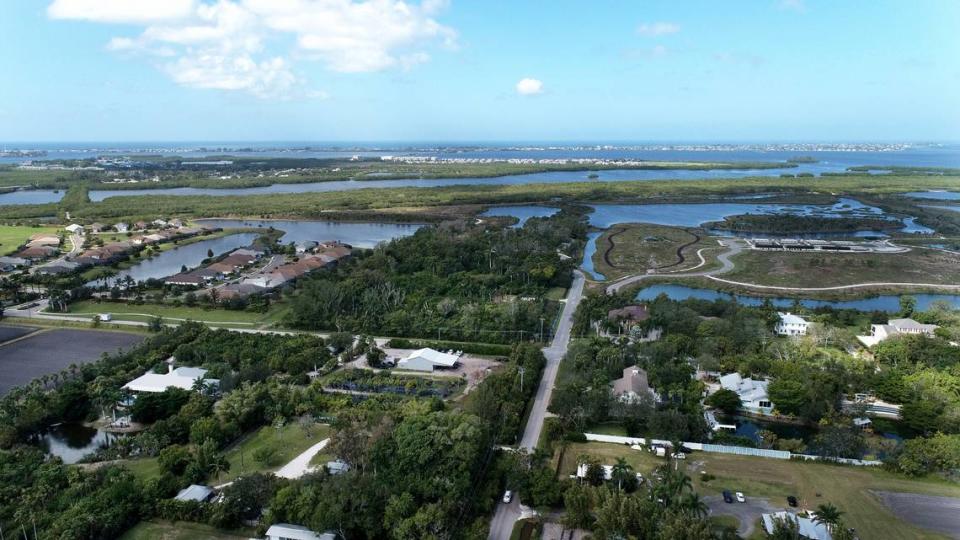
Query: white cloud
529,87
120,11
230,44
658,29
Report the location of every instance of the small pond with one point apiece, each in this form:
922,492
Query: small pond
71,442
362,235
522,213
31,196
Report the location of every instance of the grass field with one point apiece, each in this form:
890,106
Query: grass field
130,312
12,236
289,442
847,487
181,530
832,269
636,247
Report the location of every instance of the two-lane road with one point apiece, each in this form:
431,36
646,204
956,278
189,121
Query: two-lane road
507,514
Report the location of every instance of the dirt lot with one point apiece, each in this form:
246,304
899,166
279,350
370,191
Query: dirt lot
936,513
49,351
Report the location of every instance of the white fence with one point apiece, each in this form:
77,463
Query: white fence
724,449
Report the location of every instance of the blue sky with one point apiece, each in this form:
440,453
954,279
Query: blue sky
337,70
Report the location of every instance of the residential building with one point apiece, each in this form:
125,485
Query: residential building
97,227
633,385
181,377
121,227
286,531
809,528
428,359
896,327
13,262
337,467
37,252
791,325
753,393
74,228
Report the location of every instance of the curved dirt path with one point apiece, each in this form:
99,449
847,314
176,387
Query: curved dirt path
734,247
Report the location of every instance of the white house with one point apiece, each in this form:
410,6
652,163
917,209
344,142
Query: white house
74,228
286,531
791,325
808,528
195,492
181,377
427,359
895,327
753,393
122,227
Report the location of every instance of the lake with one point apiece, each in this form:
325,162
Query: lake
522,213
169,262
605,216
935,195
889,303
71,442
31,196
363,235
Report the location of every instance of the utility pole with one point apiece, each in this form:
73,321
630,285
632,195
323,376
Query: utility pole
541,329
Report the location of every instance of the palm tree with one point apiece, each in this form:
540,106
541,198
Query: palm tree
621,471
694,505
827,514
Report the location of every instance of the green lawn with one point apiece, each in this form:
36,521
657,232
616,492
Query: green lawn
289,442
131,312
181,530
144,468
847,487
12,237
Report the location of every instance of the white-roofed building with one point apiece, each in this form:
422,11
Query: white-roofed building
808,528
195,492
74,228
428,359
286,531
895,327
753,393
181,377
791,325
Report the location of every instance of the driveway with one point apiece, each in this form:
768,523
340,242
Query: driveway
300,465
747,513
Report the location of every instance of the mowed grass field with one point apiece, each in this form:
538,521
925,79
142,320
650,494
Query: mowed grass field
832,269
849,488
180,530
130,312
12,237
636,247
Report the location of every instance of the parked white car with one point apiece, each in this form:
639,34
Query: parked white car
740,497
507,496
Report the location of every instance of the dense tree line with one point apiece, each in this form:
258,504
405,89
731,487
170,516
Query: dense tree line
448,282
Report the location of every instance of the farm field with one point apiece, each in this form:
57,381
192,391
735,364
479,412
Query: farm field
852,489
49,351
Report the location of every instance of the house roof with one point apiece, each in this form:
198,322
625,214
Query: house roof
634,380
296,532
194,492
749,390
181,377
436,358
910,324
790,318
629,313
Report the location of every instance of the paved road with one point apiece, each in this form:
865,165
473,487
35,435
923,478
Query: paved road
733,248
507,514
300,465
941,514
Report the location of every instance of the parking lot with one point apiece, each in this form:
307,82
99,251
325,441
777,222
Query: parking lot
50,350
941,514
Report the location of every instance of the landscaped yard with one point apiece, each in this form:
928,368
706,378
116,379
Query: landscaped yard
181,530
288,442
849,488
130,312
12,237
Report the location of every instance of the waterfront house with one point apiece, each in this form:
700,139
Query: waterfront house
753,393
896,327
791,325
181,377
